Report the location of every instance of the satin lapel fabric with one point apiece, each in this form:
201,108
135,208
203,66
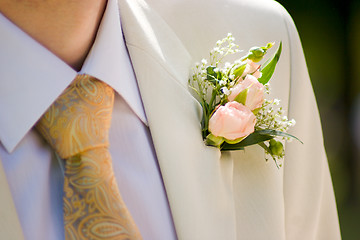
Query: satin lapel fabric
197,178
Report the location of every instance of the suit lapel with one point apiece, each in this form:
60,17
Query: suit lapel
198,180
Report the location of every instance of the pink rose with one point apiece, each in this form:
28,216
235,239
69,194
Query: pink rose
232,121
251,68
255,96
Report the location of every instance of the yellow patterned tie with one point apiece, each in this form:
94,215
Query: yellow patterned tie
77,127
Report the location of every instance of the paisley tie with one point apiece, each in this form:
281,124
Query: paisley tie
76,126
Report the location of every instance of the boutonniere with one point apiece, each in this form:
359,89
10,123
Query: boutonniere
236,112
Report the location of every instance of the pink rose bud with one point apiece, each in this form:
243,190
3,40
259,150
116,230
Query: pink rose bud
255,96
232,121
251,68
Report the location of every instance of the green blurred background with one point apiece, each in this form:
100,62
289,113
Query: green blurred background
330,34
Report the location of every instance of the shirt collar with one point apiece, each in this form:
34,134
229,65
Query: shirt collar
109,61
31,77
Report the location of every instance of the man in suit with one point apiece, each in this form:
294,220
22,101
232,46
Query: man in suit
173,185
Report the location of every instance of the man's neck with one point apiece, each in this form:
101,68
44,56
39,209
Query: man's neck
66,27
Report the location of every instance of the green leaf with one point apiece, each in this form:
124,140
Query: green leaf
252,139
230,147
241,97
268,68
277,133
212,76
239,70
256,137
212,140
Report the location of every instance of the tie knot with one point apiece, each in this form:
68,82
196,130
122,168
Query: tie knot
80,118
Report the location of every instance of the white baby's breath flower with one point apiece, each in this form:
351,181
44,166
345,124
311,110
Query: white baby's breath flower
232,76
204,61
292,122
216,70
226,91
227,65
276,101
222,82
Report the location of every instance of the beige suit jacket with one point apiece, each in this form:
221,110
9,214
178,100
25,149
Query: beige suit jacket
213,195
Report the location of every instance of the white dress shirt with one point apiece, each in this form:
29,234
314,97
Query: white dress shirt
31,78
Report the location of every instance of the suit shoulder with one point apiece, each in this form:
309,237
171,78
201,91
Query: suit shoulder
223,11
199,24
258,7
201,6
